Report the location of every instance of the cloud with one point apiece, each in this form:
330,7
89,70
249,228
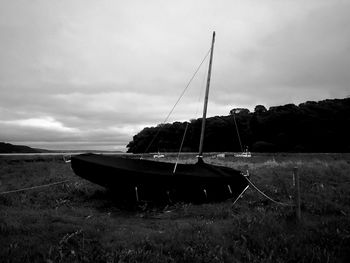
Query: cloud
303,59
46,123
95,73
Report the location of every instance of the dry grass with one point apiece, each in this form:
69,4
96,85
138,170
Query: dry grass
81,222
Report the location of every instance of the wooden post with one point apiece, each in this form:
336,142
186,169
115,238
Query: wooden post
246,167
137,194
297,193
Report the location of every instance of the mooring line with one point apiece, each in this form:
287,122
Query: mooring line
34,187
266,196
178,100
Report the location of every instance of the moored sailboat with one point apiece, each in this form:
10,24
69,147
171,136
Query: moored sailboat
160,181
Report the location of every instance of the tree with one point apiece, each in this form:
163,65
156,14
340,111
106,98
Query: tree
309,127
259,109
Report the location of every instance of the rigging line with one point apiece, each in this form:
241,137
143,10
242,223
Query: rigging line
266,196
34,187
201,91
182,142
239,138
181,95
187,123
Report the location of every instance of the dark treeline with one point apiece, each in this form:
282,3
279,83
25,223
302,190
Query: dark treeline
322,126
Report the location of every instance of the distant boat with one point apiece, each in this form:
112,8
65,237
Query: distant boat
221,155
135,179
158,155
244,154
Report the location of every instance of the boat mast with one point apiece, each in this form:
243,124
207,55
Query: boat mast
200,154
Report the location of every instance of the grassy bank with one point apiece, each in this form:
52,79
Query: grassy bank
81,222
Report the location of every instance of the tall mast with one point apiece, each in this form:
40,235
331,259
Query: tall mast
200,154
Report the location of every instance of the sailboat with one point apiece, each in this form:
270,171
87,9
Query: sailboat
140,179
245,154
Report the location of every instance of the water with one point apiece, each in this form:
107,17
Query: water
59,153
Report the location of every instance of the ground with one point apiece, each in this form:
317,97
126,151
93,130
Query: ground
77,221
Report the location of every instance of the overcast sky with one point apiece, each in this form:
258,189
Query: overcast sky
91,74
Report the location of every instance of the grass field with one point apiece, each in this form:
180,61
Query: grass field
80,222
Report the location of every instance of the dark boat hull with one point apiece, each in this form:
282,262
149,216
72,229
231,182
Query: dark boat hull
149,180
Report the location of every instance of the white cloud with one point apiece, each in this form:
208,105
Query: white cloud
45,123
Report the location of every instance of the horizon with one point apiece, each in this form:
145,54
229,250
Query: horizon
86,146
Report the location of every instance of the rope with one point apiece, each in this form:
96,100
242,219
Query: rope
266,196
34,187
182,142
201,91
181,95
245,189
183,138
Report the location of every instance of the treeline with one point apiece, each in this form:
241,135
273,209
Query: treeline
322,126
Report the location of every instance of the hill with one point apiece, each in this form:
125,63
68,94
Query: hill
321,126
10,148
